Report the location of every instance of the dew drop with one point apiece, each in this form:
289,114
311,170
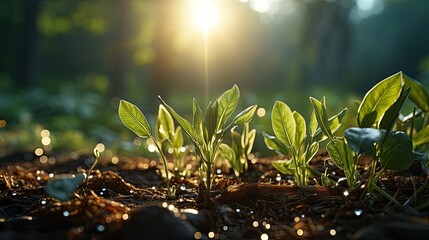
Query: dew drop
237,210
181,199
101,228
300,232
346,193
66,213
264,236
267,226
43,202
211,234
278,178
183,187
131,191
296,219
197,235
13,193
358,212
225,228
218,171
302,215
333,232
255,224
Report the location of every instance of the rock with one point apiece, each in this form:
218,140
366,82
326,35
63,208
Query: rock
154,223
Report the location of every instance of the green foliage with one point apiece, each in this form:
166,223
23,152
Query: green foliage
208,129
134,119
291,139
171,137
238,152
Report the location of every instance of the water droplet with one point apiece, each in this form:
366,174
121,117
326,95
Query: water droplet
101,228
278,178
164,204
103,189
267,226
153,188
197,235
302,215
183,187
251,212
225,228
358,212
125,216
346,193
264,236
296,219
51,175
383,186
218,171
66,213
13,193
43,202
333,232
323,215
237,210
211,234
131,191
171,207
181,199
255,224
300,232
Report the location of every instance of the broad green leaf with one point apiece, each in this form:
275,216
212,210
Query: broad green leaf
391,115
396,151
228,101
165,123
186,126
321,116
133,119
301,130
341,155
363,139
274,144
421,137
284,166
418,94
243,117
378,99
283,123
311,152
313,124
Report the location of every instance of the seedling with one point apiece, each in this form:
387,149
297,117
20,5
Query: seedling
241,146
208,128
134,119
291,139
171,138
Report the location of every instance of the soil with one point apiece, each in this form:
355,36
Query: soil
127,199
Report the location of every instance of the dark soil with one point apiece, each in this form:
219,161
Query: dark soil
127,200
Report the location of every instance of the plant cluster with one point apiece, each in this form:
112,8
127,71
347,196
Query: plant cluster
392,138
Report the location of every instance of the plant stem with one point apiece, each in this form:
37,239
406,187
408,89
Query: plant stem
386,195
164,161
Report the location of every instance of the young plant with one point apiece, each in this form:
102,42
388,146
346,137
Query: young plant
377,117
134,119
208,128
171,138
291,139
241,146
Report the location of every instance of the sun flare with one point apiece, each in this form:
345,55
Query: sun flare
205,14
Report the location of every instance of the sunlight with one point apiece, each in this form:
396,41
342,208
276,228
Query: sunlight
205,15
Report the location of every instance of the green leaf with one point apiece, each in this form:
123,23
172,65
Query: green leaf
421,137
250,141
186,126
391,115
283,124
418,94
228,153
133,119
363,139
341,155
313,124
210,121
311,152
321,116
396,151
334,124
274,144
165,123
378,99
301,130
228,101
243,117
198,117
285,167
178,138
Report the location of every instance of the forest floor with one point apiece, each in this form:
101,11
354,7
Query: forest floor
126,199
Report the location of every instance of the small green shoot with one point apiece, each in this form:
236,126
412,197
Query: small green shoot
241,146
134,119
208,128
